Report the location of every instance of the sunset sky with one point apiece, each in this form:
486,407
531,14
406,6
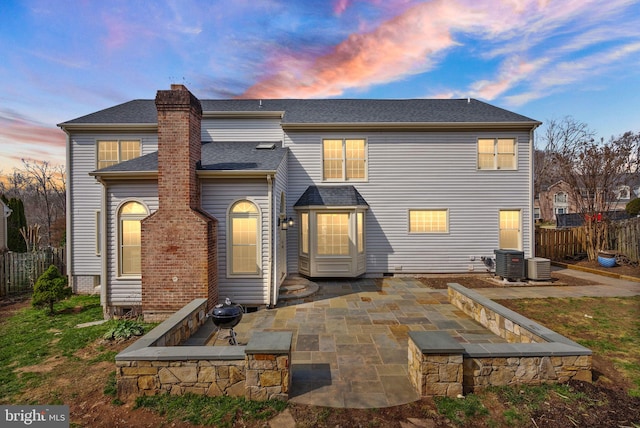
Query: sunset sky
542,58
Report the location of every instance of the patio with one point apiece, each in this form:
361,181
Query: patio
350,340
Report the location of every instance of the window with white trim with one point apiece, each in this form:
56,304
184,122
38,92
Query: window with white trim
510,230
333,234
111,152
428,221
129,236
304,232
244,239
497,154
344,159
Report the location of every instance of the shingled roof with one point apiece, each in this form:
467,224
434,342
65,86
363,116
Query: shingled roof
331,196
325,111
224,156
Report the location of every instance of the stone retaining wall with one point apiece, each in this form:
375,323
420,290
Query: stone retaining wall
154,364
533,355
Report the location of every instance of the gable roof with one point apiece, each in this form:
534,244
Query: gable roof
305,112
216,157
331,196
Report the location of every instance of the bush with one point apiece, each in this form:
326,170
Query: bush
633,207
51,287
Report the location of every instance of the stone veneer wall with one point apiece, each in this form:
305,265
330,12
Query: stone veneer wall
498,324
156,364
481,372
433,369
533,355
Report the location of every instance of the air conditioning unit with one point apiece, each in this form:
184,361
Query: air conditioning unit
539,269
510,264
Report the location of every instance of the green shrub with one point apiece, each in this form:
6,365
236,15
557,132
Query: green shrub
51,287
124,329
633,207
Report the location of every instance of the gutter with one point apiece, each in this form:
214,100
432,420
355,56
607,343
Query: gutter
409,126
270,276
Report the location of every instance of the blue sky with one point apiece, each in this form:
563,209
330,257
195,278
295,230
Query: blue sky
542,58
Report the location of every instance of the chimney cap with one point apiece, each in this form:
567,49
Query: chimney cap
178,87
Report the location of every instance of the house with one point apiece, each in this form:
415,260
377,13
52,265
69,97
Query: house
180,198
5,212
559,199
553,200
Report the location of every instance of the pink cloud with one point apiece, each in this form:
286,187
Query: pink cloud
339,6
400,46
414,42
513,71
15,128
23,137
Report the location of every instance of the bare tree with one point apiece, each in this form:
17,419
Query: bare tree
48,183
559,135
595,171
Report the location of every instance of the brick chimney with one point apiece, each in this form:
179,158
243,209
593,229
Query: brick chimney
179,259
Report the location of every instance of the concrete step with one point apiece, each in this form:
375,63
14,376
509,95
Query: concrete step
297,287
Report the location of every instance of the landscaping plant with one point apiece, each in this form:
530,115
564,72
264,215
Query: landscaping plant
51,287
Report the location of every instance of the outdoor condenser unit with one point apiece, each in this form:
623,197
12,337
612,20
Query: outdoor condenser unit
510,264
539,269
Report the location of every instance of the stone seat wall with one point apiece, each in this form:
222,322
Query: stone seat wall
534,354
156,363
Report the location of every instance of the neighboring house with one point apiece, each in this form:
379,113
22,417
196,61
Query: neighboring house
558,199
553,200
184,198
5,212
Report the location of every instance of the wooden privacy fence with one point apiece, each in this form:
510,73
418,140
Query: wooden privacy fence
19,271
558,244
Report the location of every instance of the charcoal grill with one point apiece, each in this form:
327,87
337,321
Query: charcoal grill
227,315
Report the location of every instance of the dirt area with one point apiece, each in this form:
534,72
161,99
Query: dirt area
604,403
484,280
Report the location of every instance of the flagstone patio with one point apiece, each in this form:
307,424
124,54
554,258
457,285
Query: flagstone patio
350,339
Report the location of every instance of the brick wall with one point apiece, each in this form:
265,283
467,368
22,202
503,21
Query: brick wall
179,241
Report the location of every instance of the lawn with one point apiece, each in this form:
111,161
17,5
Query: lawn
47,360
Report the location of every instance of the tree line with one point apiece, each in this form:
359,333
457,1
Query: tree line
596,172
36,194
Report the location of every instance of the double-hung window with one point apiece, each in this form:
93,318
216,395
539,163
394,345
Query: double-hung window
428,221
344,159
111,152
497,153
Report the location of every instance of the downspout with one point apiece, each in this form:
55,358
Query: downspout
532,230
270,287
69,214
103,248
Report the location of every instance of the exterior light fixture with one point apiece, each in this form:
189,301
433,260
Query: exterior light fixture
284,223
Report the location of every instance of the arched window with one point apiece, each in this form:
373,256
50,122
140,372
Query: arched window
129,238
244,239
560,198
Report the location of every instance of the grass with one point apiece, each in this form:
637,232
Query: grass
610,327
31,337
216,411
459,411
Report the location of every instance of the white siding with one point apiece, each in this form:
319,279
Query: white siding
241,130
125,292
411,170
280,186
86,197
217,197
